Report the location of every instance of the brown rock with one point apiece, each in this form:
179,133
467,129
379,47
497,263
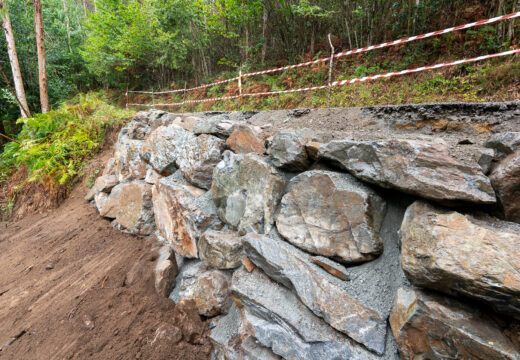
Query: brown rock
165,271
243,141
182,213
432,327
313,148
505,179
331,267
104,183
111,206
135,212
220,249
462,255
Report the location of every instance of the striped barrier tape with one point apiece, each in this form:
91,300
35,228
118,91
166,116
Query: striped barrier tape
348,81
347,53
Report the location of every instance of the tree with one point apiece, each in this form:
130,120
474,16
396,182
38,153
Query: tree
13,59
40,46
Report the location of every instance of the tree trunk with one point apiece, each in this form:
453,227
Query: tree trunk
265,19
13,59
40,47
67,23
85,7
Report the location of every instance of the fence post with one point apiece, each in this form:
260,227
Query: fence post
126,94
153,99
330,70
240,82
184,96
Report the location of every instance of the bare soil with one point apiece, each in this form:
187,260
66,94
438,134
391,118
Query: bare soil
73,287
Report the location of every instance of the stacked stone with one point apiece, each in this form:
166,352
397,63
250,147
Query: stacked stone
344,250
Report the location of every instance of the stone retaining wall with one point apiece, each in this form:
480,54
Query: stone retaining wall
297,248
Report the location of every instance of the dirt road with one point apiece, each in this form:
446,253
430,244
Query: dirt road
72,287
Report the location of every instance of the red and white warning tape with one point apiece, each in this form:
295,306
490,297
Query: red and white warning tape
348,81
346,53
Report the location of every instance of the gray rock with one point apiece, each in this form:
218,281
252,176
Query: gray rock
182,213
288,151
163,146
221,249
420,168
461,255
165,271
104,183
231,340
111,206
110,168
505,178
485,159
137,130
129,165
332,214
246,191
208,288
152,176
281,322
287,265
506,143
198,158
428,326
218,125
135,210
100,200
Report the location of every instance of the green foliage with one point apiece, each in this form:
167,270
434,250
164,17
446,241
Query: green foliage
55,145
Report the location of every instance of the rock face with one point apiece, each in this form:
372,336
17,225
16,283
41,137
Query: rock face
135,211
420,168
209,288
506,181
231,340
163,146
221,249
111,206
288,151
165,271
281,322
246,191
129,165
506,143
431,327
198,158
458,254
332,214
323,297
244,141
182,213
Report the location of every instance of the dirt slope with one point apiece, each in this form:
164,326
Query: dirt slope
72,287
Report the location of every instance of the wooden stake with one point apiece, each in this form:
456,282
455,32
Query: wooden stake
330,70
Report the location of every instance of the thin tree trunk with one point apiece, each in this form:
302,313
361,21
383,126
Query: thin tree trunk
85,7
13,59
67,23
265,18
40,47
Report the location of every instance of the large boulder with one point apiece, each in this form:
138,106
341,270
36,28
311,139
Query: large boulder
221,249
163,146
332,214
288,151
427,326
416,167
218,125
243,140
111,205
505,143
208,288
246,191
505,178
129,165
459,254
135,210
280,321
324,297
182,213
198,158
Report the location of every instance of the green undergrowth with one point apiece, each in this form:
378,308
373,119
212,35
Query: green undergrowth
54,147
492,80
